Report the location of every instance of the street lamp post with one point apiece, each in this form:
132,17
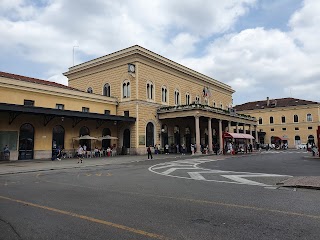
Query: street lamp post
73,54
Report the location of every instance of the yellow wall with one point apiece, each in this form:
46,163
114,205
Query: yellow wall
290,126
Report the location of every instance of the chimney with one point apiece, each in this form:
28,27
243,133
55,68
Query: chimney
268,102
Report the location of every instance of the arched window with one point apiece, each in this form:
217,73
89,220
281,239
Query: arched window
271,119
89,90
283,119
149,90
176,97
309,117
150,134
57,137
260,120
26,141
297,140
214,104
187,98
164,93
106,142
106,90
126,89
295,118
221,106
197,101
84,131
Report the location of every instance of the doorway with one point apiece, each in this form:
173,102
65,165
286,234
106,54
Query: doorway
26,142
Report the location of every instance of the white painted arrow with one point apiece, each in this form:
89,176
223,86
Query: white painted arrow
170,170
243,180
196,176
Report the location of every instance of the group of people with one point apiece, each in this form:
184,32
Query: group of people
83,151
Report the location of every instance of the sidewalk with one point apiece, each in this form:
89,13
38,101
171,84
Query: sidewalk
25,166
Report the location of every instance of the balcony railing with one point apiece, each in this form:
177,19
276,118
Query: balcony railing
228,112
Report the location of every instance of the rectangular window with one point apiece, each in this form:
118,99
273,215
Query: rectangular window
28,102
272,129
284,129
126,113
85,109
309,127
59,106
283,119
296,128
106,112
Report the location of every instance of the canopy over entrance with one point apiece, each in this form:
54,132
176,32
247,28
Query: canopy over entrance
237,135
279,138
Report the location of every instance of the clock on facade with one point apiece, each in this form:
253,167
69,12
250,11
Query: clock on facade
131,68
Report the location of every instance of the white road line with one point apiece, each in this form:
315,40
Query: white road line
196,176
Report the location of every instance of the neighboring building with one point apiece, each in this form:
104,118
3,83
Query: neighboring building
134,95
290,120
37,116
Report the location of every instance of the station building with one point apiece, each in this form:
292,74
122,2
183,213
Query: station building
135,96
284,120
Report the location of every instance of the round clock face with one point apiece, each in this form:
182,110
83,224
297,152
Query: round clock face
131,68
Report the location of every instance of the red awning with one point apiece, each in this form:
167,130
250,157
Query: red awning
281,138
237,135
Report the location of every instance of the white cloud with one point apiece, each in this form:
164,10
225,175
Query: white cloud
256,62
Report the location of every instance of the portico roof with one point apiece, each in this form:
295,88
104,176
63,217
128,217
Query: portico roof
48,114
200,110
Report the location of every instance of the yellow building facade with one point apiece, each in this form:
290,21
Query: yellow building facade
134,95
290,120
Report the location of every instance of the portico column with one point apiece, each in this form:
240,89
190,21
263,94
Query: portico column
197,135
220,135
210,135
229,126
237,127
256,133
250,130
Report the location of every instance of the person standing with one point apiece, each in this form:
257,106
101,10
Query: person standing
6,152
149,152
166,148
59,153
192,149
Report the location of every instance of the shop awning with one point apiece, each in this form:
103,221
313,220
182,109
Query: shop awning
280,138
107,137
237,135
85,137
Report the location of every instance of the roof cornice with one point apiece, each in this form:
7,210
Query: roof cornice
140,51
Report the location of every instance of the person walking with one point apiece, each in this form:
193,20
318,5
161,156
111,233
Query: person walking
59,153
149,152
80,154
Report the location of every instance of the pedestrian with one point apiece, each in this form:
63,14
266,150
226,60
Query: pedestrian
178,148
149,152
183,148
166,148
250,147
6,152
192,149
80,154
59,153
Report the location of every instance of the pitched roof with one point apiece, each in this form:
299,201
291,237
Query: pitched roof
273,103
35,80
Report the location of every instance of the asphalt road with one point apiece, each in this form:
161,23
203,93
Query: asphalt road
167,199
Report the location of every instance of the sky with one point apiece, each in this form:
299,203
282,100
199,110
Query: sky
261,48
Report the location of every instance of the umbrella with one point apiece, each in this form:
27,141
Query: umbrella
107,137
85,137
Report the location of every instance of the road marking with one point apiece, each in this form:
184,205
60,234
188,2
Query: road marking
90,219
98,174
195,201
173,169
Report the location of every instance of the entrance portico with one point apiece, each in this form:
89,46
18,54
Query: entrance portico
204,117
